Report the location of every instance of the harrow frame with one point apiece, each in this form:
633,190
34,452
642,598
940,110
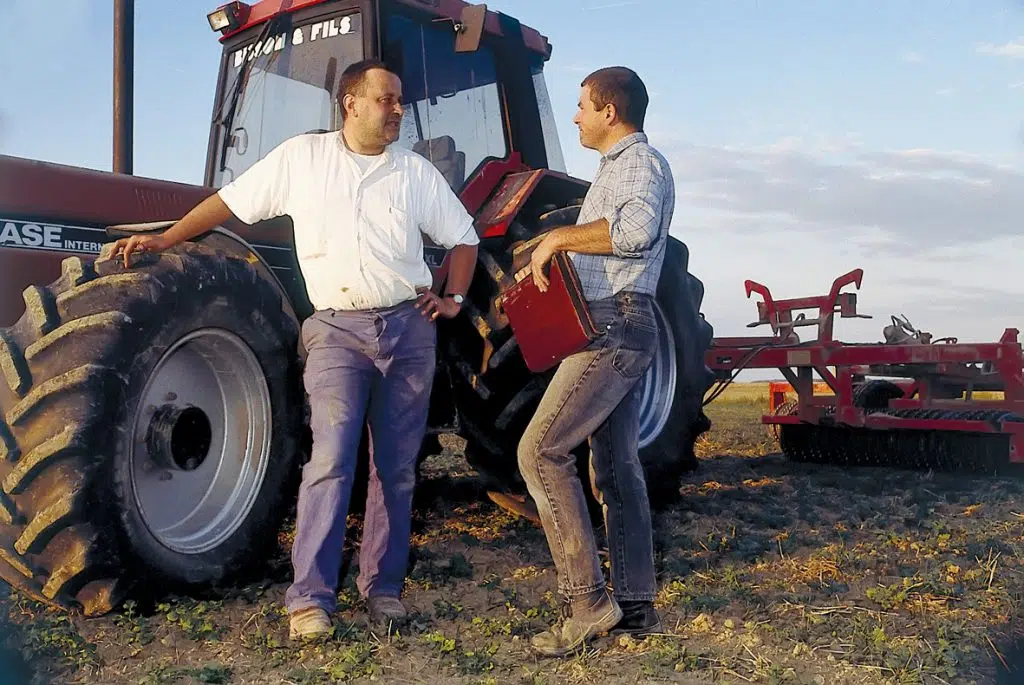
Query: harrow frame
931,385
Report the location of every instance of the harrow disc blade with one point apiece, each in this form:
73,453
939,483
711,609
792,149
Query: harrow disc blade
911,449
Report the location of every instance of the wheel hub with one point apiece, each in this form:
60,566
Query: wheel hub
179,437
201,441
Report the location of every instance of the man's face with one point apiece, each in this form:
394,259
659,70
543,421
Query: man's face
377,111
592,123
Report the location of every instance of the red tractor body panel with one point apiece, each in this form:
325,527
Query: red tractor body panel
52,211
526,189
478,188
509,198
67,193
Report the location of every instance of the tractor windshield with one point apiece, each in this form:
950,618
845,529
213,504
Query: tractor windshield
280,82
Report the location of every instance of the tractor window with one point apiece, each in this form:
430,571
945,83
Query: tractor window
288,76
552,146
453,114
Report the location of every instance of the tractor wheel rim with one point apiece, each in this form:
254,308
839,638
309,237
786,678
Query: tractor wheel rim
201,441
658,385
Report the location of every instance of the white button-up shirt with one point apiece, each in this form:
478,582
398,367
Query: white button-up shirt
357,236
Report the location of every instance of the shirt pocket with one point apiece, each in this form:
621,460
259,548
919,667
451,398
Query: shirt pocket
391,227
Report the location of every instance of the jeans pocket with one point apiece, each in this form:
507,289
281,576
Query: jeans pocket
636,349
420,333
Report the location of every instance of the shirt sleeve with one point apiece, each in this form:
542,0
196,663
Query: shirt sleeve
445,219
261,191
635,217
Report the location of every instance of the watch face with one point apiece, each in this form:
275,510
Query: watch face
458,299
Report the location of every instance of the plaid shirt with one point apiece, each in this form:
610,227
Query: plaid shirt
635,192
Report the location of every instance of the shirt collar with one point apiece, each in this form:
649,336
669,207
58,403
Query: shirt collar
624,142
388,157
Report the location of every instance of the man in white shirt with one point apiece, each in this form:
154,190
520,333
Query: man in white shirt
358,205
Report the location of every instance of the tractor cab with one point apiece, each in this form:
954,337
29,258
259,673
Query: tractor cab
472,80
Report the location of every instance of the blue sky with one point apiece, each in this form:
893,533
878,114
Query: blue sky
792,126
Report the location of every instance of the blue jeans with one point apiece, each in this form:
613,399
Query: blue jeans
375,367
595,395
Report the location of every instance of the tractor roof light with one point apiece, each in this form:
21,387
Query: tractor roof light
229,17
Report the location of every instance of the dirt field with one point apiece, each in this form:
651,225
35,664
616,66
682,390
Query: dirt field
770,572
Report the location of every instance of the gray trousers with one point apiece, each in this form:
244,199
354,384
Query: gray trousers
375,366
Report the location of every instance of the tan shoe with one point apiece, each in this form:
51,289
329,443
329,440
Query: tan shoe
579,623
309,623
384,610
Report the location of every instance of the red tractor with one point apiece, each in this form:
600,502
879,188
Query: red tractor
152,420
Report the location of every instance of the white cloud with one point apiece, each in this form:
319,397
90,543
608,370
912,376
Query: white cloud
1013,48
912,57
937,233
899,192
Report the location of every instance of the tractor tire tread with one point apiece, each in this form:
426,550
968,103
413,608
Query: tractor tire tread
39,458
45,543
13,365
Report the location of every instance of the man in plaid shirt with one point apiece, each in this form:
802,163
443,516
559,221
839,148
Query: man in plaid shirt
617,247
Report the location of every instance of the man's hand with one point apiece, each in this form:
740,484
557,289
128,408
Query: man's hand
432,306
139,243
208,214
542,254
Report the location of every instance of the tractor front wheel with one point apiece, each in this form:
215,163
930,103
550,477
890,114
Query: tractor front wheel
150,419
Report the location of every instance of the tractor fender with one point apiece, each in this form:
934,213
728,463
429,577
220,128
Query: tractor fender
222,239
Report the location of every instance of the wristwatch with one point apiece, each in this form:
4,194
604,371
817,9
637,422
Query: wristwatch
459,299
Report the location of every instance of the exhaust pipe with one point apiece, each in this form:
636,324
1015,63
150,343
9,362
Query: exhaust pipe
124,96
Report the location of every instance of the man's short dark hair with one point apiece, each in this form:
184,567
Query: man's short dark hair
621,87
353,77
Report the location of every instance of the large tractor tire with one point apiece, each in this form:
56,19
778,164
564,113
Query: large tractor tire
672,416
496,402
150,419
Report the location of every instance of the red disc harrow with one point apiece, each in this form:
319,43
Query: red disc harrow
909,400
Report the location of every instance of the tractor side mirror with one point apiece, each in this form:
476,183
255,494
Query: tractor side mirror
470,28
